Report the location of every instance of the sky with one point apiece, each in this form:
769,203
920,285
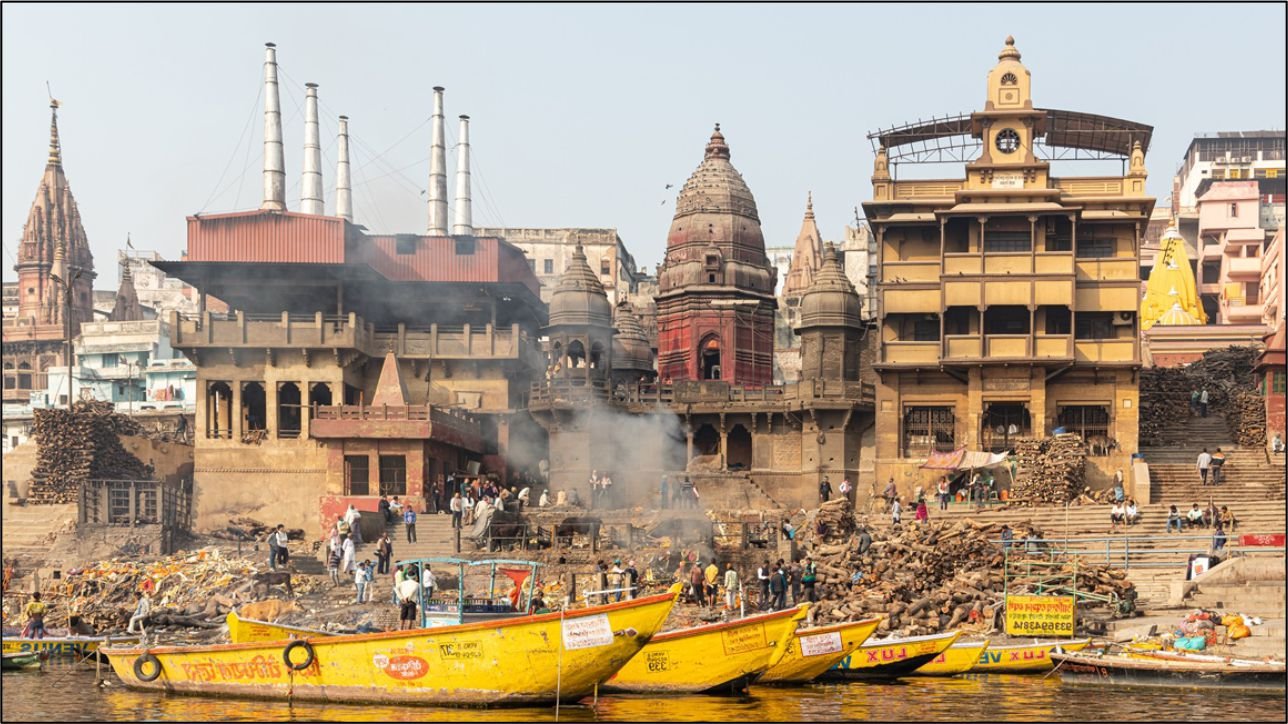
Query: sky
581,115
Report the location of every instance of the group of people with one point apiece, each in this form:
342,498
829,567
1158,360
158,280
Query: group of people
679,494
1199,402
825,490
1123,513
602,492
779,578
1213,463
617,583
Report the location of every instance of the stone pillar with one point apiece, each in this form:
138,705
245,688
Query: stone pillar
271,423
1038,401
238,420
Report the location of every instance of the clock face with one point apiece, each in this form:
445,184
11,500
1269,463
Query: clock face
1007,141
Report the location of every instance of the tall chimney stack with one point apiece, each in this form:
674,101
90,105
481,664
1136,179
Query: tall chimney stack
274,159
437,170
464,223
311,181
343,200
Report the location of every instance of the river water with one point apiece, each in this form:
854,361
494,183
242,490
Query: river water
64,693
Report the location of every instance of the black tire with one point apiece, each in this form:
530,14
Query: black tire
144,660
308,649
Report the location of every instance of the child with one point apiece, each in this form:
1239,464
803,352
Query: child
923,515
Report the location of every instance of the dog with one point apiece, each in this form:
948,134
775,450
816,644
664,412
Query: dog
1101,445
268,579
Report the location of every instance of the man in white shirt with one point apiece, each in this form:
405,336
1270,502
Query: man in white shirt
544,502
846,488
1205,462
480,510
354,519
347,555
408,599
524,495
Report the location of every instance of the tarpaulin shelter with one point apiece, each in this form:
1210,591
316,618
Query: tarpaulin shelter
963,459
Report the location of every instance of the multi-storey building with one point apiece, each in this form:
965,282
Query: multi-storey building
157,291
1233,233
1007,297
1225,156
549,252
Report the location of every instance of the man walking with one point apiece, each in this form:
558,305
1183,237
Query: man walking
778,586
1204,463
1194,402
1218,466
731,586
942,490
794,581
1203,402
384,553
824,490
762,577
455,507
409,522
272,550
712,575
845,488
809,577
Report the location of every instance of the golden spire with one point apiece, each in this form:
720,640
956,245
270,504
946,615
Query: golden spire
55,150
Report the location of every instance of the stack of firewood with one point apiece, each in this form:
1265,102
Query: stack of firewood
81,445
936,577
1246,415
1165,392
249,529
1050,470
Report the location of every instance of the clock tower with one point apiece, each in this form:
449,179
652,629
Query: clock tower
1008,126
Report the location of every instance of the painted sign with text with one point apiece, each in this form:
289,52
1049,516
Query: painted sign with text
1039,615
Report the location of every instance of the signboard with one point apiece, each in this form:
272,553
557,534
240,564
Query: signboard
819,644
587,632
743,638
1008,180
1199,566
1039,615
1276,540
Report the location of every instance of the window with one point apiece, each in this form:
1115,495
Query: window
356,473
1007,241
1006,320
465,246
1003,423
393,475
1086,420
405,244
1009,79
111,360
532,264
1094,247
927,429
925,330
1094,325
1059,235
1218,174
1236,173
1234,210
549,266
605,266
1057,320
1277,381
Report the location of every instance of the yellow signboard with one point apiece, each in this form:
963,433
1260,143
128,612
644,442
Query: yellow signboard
1039,615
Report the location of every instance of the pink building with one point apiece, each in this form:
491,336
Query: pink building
1274,267
1231,241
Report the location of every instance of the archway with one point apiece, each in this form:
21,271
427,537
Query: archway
739,456
576,355
288,410
253,406
596,356
219,410
319,396
710,358
706,441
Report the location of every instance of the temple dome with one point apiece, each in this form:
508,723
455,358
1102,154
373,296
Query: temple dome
631,348
579,299
831,300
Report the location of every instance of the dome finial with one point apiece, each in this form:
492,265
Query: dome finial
809,204
1010,51
55,148
716,146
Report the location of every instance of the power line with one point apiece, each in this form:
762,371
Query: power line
245,129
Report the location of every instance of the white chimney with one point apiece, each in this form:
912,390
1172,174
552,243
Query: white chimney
437,170
343,200
464,223
274,159
311,181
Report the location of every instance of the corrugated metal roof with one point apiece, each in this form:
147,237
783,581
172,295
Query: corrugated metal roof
266,236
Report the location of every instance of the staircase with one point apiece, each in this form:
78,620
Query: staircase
435,538
1250,477
28,529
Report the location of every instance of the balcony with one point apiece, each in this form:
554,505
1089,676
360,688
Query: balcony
959,347
1236,311
906,190
921,271
1244,268
1053,346
1108,269
1009,346
18,385
962,264
421,422
1008,293
1104,350
1054,263
1017,263
910,301
898,352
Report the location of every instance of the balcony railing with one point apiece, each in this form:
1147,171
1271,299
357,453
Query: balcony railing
1105,350
1054,263
962,346
1007,345
570,392
1053,346
1240,267
910,271
908,352
1108,268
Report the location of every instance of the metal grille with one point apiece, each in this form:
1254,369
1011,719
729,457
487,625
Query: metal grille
927,429
1086,420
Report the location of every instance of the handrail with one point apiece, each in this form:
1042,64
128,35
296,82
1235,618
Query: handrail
1092,550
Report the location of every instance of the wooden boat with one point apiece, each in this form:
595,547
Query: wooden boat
248,630
956,659
489,604
715,658
812,651
891,657
21,661
1024,658
69,646
1146,671
516,661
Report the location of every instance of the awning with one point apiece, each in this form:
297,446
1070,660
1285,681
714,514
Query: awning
963,459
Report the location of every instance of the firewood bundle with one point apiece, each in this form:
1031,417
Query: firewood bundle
1246,416
937,577
249,529
80,445
1165,392
1051,470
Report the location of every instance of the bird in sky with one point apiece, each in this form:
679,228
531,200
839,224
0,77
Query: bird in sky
669,185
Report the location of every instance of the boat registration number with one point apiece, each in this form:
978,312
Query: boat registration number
820,644
587,632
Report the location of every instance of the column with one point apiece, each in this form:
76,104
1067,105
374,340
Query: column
235,412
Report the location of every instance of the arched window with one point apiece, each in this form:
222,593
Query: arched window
710,358
576,355
288,410
254,404
596,355
739,455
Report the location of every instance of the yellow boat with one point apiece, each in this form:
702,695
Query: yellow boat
1024,658
811,651
74,646
891,657
956,659
718,657
248,630
515,661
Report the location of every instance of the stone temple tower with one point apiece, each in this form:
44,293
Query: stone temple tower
830,328
715,302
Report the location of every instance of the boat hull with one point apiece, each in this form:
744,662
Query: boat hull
890,658
956,659
521,661
716,658
811,652
1023,658
248,630
69,646
1132,671
21,661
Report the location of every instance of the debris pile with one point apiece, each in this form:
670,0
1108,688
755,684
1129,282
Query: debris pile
931,578
1051,470
79,445
1165,393
1246,416
249,529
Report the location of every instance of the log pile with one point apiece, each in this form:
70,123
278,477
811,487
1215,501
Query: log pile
1050,471
79,445
249,529
1246,416
1165,392
931,578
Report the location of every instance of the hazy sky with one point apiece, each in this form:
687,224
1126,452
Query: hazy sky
581,114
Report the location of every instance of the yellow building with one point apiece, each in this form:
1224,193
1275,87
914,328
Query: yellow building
1008,299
